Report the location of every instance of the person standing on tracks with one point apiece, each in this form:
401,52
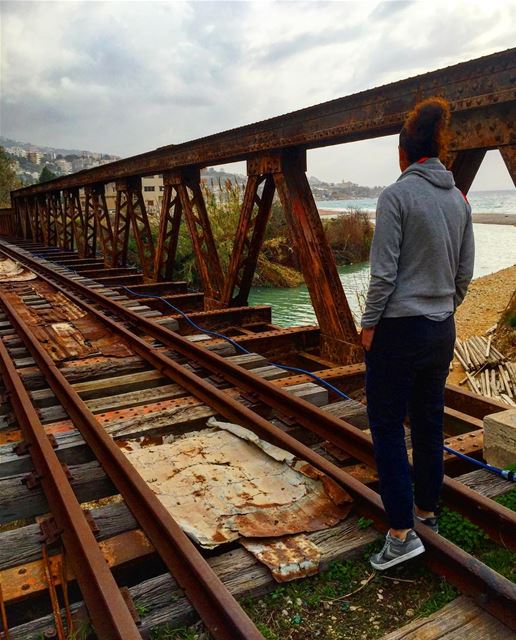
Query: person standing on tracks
421,265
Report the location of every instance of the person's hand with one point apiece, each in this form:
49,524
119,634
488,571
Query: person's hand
366,337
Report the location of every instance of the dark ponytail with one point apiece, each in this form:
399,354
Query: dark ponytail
426,130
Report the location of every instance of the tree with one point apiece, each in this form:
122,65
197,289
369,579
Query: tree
8,179
46,175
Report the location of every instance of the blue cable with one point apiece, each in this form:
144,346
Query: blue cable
508,475
322,382
504,473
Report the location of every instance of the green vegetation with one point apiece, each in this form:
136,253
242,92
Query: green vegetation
444,593
46,175
166,632
364,523
460,531
350,236
350,600
8,180
472,539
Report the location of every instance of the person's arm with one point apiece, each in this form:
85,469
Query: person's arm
385,252
466,261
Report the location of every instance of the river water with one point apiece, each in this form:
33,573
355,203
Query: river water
495,250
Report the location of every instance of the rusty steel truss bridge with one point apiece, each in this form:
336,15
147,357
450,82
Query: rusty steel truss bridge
99,374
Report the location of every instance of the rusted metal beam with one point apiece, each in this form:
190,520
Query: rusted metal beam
509,157
339,337
76,228
464,167
97,219
481,86
168,235
254,215
188,187
471,403
109,613
131,213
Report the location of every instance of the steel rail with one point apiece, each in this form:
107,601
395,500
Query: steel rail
107,608
498,521
492,591
220,612
482,83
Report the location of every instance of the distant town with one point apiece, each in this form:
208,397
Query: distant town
29,160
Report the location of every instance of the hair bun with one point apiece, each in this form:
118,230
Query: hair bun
427,115
425,132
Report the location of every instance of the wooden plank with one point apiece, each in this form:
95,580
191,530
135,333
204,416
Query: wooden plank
93,369
89,483
461,619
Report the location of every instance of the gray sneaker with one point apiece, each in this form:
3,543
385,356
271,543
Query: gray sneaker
396,551
431,523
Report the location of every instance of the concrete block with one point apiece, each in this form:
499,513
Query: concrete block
500,438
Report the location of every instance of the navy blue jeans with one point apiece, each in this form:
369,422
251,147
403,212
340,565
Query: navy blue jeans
406,372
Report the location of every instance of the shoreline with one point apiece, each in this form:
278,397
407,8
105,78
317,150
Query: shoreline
478,218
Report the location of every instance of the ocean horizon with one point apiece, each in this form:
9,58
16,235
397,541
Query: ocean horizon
487,201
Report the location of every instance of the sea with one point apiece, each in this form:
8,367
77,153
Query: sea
495,249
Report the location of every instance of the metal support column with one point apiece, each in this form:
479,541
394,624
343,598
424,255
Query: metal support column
509,157
339,337
464,166
168,235
207,258
254,215
130,211
98,222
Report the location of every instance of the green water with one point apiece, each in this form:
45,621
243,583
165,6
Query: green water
293,306
495,250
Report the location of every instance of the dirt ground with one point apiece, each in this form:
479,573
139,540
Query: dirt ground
485,302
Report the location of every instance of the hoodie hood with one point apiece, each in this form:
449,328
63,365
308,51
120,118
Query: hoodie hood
432,170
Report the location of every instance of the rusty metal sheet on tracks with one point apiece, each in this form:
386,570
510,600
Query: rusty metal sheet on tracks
66,331
288,558
223,483
12,271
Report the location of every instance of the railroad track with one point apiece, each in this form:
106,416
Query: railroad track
206,379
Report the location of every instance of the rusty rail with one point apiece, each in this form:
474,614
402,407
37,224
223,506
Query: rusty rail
495,593
103,599
220,612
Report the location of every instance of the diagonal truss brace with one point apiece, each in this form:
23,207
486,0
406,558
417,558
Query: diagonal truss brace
97,223
187,185
131,212
168,235
254,216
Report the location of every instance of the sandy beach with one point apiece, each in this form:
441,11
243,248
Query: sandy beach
478,218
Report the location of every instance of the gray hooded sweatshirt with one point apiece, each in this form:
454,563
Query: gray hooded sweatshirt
423,249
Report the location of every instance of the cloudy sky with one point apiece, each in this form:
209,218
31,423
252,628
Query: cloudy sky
127,77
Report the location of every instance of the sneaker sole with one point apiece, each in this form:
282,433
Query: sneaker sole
395,561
